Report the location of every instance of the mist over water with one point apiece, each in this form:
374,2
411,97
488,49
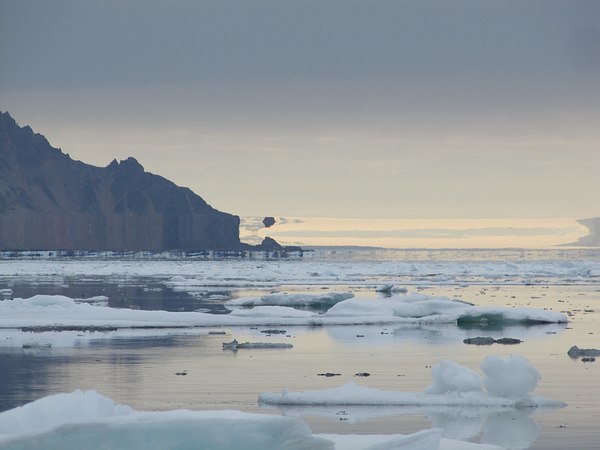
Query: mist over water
416,233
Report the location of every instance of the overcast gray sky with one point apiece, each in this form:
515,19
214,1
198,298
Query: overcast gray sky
446,108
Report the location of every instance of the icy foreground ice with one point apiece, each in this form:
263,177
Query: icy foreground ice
509,383
88,420
412,309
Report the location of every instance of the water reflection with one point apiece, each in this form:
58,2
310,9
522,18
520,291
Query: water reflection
512,429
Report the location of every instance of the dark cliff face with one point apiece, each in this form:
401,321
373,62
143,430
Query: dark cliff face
50,202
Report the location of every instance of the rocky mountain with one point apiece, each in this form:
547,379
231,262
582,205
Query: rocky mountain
49,201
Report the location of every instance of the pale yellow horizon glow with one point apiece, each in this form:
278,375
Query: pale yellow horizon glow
420,233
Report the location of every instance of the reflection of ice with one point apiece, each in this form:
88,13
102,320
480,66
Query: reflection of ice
458,424
511,429
441,334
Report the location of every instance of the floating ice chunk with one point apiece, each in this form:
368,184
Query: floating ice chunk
6,292
512,377
59,301
323,301
449,376
429,308
361,307
88,420
414,309
508,381
55,410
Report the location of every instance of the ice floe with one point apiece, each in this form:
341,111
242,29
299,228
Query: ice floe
323,301
89,420
509,383
55,311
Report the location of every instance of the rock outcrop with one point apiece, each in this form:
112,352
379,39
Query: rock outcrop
49,201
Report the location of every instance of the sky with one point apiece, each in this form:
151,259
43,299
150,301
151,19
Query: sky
366,109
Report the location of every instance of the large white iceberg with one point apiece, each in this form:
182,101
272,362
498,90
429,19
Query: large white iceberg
509,383
88,420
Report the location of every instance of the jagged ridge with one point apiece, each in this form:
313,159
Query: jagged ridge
49,201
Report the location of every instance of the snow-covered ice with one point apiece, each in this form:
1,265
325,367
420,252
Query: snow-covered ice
89,420
323,301
509,383
414,309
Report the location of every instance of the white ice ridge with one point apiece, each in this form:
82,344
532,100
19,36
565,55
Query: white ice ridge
508,382
89,420
294,300
412,309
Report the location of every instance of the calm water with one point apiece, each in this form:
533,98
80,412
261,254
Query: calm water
141,372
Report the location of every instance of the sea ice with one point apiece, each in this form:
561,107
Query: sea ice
57,311
324,301
89,420
449,376
512,377
509,382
